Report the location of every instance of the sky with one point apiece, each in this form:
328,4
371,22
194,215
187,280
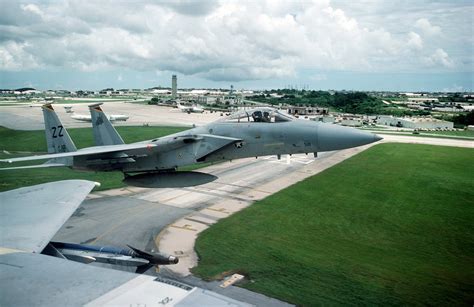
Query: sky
405,45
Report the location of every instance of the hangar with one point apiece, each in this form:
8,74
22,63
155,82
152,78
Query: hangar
414,123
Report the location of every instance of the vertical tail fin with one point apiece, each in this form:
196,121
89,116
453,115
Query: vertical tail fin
57,138
104,132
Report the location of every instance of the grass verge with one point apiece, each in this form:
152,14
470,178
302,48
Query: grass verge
458,135
390,226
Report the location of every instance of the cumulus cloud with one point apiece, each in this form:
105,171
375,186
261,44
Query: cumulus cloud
32,8
426,27
217,40
414,41
439,58
13,56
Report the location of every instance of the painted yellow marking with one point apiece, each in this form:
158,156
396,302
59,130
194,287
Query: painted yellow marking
217,210
5,251
232,280
184,227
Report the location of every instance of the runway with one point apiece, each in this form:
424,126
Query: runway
31,118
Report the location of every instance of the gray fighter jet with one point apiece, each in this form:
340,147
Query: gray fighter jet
248,133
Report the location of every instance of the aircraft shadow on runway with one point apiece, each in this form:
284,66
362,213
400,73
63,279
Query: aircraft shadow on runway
169,180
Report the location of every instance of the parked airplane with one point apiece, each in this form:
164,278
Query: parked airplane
112,118
88,118
30,276
248,133
190,109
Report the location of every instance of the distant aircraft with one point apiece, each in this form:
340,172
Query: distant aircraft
68,109
190,109
35,272
248,133
87,118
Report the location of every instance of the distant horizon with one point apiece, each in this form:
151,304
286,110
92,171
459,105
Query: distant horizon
226,89
420,82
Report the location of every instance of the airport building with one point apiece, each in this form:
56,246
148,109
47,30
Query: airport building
352,122
414,122
324,119
422,100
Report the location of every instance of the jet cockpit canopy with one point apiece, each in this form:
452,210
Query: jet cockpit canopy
259,115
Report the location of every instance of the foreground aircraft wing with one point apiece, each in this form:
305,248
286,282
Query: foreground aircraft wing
126,148
39,280
31,216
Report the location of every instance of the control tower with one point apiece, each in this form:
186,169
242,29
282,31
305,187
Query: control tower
174,86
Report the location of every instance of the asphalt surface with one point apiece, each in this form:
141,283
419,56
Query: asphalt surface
26,117
136,215
117,221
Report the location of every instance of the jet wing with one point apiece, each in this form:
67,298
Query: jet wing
213,144
31,216
126,148
39,280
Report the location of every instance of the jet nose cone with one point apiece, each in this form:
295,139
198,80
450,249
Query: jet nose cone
334,137
377,138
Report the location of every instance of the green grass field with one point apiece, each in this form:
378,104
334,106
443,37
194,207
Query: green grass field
15,141
390,226
468,133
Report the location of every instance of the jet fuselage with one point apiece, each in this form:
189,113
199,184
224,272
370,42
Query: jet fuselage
257,139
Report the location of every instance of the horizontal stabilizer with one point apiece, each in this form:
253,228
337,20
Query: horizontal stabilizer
34,166
125,148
